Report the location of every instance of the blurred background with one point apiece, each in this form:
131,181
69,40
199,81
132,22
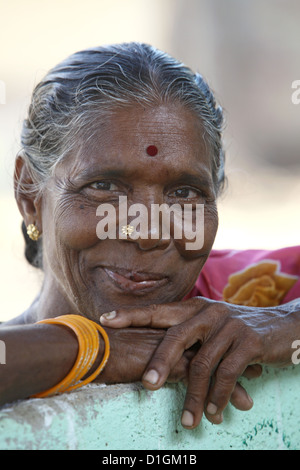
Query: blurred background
249,52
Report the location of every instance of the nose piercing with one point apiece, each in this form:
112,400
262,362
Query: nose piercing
127,229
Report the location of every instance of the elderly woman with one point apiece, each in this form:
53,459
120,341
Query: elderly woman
129,123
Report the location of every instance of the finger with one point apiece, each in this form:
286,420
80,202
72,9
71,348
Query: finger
155,315
179,339
240,399
176,342
201,371
226,376
169,352
253,371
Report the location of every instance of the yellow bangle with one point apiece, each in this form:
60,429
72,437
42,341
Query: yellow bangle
88,342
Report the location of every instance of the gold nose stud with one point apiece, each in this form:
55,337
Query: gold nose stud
127,229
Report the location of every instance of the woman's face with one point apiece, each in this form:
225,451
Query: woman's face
95,275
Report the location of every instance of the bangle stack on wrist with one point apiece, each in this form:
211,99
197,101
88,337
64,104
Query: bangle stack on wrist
87,333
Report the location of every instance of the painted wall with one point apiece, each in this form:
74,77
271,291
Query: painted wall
127,417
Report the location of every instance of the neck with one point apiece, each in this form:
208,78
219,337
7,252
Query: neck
51,302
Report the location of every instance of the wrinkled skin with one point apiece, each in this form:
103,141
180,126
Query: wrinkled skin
234,341
208,345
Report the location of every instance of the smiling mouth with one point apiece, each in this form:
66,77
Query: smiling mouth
132,281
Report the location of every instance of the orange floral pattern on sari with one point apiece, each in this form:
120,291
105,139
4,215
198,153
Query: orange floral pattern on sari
259,285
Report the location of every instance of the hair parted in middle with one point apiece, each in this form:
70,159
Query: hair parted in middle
67,103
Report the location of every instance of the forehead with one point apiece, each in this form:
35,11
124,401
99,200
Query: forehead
121,140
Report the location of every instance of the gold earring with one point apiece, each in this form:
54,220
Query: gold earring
33,232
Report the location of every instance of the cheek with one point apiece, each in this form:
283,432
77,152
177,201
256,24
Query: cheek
78,231
72,227
200,233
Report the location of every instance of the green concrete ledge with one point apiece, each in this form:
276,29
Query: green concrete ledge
128,417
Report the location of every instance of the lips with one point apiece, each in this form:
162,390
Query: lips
132,281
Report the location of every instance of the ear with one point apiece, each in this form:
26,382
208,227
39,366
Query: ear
28,200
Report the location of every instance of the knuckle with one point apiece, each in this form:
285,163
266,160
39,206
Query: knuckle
245,337
251,344
152,312
236,325
196,303
153,309
200,366
177,333
227,374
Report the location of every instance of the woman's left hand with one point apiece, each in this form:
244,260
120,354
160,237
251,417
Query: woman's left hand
232,341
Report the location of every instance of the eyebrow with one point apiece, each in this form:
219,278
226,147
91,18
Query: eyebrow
90,174
197,180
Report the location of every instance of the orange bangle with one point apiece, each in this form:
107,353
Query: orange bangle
88,341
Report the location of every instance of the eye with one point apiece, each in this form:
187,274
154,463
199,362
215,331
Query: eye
186,193
104,186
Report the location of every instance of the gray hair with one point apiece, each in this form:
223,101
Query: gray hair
96,82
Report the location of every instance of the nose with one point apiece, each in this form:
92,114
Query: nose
141,223
152,243
150,239
144,227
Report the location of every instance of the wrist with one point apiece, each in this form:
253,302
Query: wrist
284,331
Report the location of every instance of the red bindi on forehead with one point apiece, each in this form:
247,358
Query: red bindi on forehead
152,150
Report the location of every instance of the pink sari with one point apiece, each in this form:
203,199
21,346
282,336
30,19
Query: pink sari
257,278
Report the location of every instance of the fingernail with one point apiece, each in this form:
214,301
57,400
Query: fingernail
108,316
151,377
250,399
211,408
187,419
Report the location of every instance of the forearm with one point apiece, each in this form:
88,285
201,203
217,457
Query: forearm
37,358
40,356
